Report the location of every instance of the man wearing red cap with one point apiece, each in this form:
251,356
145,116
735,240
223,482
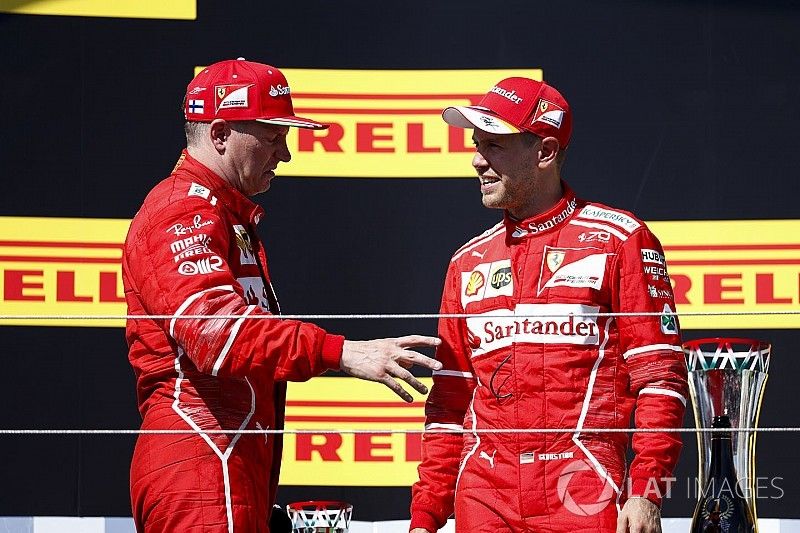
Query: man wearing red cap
218,364
539,350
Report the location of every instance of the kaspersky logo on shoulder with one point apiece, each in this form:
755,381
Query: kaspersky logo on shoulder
510,95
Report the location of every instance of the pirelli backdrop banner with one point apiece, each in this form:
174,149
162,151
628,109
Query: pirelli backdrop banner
63,266
683,111
148,9
380,441
385,123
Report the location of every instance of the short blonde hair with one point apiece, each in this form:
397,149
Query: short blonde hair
195,131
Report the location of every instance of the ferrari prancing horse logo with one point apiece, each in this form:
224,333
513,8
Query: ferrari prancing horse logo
554,259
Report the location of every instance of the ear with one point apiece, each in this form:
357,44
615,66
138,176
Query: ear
548,150
219,132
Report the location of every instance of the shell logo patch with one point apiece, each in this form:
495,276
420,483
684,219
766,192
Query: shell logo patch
476,281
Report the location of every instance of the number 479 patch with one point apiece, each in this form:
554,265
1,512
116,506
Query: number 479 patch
594,236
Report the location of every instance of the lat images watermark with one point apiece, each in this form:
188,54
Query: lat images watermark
579,474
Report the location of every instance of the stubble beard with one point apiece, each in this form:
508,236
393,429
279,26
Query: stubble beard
496,200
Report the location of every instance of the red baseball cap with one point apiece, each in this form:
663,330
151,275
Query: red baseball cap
515,105
243,90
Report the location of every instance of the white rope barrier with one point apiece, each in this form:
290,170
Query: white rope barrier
385,431
393,316
398,316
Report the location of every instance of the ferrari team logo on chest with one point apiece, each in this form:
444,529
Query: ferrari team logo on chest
246,254
554,259
572,267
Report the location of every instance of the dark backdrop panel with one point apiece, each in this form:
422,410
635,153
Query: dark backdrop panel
684,110
677,104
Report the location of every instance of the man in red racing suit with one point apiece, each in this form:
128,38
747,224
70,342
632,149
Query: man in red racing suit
192,254
193,250
537,355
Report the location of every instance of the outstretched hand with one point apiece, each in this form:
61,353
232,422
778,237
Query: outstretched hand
639,515
383,360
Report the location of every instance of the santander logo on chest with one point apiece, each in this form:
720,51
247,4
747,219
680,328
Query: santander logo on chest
533,324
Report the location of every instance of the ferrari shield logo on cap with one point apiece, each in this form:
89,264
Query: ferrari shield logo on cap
230,96
549,113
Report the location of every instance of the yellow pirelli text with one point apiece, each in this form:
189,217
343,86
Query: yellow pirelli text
385,123
734,266
147,9
61,266
332,454
70,266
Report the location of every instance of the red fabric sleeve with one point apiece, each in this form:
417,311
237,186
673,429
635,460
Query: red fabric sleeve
432,499
651,347
237,347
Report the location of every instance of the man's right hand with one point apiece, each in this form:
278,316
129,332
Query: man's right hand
383,360
419,530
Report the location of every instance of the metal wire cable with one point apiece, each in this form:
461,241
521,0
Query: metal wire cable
385,431
395,316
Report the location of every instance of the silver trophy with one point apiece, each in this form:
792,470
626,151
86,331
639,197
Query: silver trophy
320,516
727,376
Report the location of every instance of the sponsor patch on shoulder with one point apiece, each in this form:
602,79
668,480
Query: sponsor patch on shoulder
196,189
609,216
652,256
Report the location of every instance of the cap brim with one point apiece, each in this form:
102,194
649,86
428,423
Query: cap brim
294,122
481,118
